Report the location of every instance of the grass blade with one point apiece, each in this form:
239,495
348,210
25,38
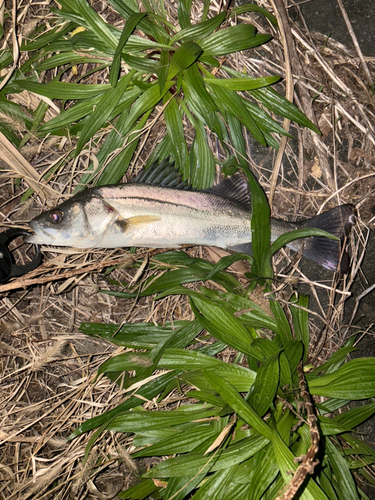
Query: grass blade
131,24
102,111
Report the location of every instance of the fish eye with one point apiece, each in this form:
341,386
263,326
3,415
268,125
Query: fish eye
56,216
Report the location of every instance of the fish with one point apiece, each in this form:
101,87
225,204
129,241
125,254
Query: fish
158,210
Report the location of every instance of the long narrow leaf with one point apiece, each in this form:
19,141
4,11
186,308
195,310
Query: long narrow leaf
281,106
200,30
239,405
103,110
132,22
354,380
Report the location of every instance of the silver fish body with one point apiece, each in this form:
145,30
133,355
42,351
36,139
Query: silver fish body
148,216
154,216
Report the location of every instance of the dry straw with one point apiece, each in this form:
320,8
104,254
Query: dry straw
47,368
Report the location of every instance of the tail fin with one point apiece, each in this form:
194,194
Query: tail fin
328,253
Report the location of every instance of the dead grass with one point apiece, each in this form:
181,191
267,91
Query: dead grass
47,368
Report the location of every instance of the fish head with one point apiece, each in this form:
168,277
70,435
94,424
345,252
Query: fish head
79,222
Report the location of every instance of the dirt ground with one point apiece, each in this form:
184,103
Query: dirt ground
326,18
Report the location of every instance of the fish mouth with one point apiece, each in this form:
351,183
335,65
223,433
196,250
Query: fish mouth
39,234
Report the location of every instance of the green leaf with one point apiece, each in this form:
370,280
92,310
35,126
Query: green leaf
231,103
263,119
239,405
232,39
183,13
9,135
163,69
147,25
281,319
180,442
138,335
148,391
354,417
241,380
265,473
184,57
141,64
203,173
285,459
249,7
140,491
146,101
175,127
227,261
102,111
216,485
92,20
200,30
193,463
293,351
239,84
249,313
287,238
241,377
238,141
179,488
138,421
199,100
334,362
222,324
301,321
48,37
354,380
131,23
281,106
117,168
82,109
62,90
260,222
13,110
264,389
70,58
344,484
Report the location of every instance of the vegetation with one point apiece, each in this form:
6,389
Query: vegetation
250,422
232,430
161,63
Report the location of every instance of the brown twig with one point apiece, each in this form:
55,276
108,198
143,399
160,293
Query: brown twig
305,97
128,259
289,89
308,462
355,42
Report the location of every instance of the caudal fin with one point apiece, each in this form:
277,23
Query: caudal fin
328,253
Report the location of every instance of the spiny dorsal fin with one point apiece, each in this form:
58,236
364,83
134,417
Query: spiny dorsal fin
166,175
235,188
161,174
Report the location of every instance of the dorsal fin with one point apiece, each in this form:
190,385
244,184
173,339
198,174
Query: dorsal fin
235,188
165,174
161,174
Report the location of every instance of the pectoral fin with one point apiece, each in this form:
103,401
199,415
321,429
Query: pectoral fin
137,220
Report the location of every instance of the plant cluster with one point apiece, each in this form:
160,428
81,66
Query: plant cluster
153,61
239,429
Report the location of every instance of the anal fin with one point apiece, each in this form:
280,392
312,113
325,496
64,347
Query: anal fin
242,248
